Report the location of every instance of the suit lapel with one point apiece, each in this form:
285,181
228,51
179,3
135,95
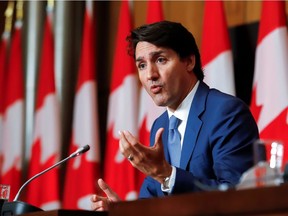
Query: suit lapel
161,122
194,124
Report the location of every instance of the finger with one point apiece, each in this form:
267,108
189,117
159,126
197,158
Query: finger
136,147
102,209
95,198
129,137
111,195
125,144
158,139
121,137
101,205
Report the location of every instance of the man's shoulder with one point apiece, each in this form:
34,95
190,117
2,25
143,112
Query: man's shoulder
215,94
218,102
215,99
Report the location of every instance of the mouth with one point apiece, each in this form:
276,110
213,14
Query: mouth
155,89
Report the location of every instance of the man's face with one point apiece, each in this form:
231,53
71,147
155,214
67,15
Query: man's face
166,78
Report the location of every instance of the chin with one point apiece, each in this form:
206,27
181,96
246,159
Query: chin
160,103
159,100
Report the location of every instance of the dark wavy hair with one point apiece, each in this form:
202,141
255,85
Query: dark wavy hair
170,35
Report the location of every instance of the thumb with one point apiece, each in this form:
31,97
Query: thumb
158,139
111,195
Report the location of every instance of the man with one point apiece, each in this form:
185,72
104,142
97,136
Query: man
216,130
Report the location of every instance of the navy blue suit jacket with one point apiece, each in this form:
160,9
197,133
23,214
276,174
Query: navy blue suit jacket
217,146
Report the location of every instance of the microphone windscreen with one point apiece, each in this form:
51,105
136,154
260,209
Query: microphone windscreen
86,148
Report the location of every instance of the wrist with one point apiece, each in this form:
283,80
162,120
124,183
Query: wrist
166,183
169,182
165,175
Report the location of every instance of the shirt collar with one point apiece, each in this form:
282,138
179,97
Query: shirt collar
182,111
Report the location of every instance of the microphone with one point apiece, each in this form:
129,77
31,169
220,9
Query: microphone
78,152
17,207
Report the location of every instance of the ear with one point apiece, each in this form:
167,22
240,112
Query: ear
190,63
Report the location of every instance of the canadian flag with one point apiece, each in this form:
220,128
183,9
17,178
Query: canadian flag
45,150
216,49
3,70
148,110
13,120
122,112
83,171
269,103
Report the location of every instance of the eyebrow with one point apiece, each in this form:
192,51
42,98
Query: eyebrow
151,55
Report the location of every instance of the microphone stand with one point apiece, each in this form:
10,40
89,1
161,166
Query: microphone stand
37,175
18,207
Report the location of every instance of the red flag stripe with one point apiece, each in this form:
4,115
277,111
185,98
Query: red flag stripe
85,128
216,50
122,99
215,34
15,76
3,65
13,115
45,150
47,77
87,63
127,67
3,68
154,11
269,104
273,15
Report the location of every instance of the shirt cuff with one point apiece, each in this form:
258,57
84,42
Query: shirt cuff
170,183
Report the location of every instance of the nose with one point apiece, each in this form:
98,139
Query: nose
152,72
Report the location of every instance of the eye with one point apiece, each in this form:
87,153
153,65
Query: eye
141,66
161,60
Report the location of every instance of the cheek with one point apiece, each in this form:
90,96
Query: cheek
171,78
179,74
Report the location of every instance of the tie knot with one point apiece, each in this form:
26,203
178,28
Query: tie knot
173,122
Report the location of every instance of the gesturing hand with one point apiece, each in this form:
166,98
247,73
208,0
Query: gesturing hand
149,160
100,203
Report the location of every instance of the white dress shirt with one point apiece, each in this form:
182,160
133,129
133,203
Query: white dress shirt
181,113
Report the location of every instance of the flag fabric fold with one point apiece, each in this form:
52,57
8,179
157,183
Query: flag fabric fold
122,112
13,119
269,104
216,49
3,72
45,149
82,172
